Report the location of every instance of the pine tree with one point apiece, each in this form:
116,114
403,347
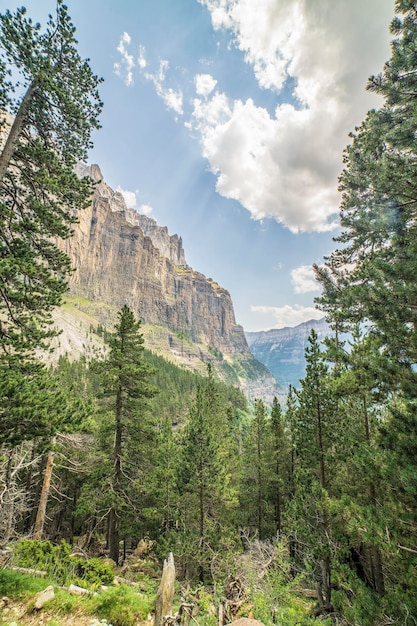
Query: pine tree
205,472
42,135
370,281
371,277
125,385
280,457
256,497
313,432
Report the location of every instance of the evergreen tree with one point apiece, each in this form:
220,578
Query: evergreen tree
371,277
205,476
280,457
370,281
43,134
125,384
256,498
313,431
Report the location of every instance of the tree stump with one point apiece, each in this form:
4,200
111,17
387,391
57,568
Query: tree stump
165,595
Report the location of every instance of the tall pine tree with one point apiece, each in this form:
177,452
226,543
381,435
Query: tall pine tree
125,386
44,132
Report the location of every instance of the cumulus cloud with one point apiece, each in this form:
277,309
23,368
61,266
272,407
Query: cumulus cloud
303,279
289,315
145,209
130,197
124,68
204,84
286,165
316,58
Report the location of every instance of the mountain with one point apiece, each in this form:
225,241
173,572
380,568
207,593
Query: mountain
282,349
121,257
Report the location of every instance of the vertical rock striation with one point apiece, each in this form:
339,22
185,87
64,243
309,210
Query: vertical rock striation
121,257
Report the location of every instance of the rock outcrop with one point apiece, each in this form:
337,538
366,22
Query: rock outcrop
121,257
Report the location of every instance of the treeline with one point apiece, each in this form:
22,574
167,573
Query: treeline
328,480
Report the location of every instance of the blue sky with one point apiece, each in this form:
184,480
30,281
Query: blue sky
225,120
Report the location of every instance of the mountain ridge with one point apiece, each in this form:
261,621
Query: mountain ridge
281,350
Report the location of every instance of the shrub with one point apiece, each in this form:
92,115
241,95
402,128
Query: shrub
60,566
122,606
95,572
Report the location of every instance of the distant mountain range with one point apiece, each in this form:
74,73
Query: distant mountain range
282,349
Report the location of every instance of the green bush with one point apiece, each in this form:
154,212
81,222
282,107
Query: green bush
354,600
44,555
122,606
95,572
60,566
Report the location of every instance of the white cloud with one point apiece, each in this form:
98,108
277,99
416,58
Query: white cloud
303,279
266,169
204,84
286,165
124,69
130,197
145,209
289,315
142,63
172,98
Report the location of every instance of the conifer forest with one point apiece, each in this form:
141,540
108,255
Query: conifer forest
295,513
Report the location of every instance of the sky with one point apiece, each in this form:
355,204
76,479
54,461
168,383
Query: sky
226,120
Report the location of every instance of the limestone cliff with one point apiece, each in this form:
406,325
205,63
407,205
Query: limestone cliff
122,257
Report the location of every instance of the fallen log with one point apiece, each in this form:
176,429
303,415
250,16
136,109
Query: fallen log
31,572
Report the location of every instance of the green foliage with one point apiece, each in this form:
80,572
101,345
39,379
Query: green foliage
40,195
124,387
17,585
94,572
43,555
122,606
64,603
354,600
60,566
271,586
205,477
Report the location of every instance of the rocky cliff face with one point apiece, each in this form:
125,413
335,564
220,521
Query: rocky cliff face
281,350
123,257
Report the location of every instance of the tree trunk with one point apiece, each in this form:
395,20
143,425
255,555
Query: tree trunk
377,573
8,498
16,129
114,537
325,563
43,501
259,477
114,515
278,496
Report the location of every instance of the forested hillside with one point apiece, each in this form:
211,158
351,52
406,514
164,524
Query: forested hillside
261,506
